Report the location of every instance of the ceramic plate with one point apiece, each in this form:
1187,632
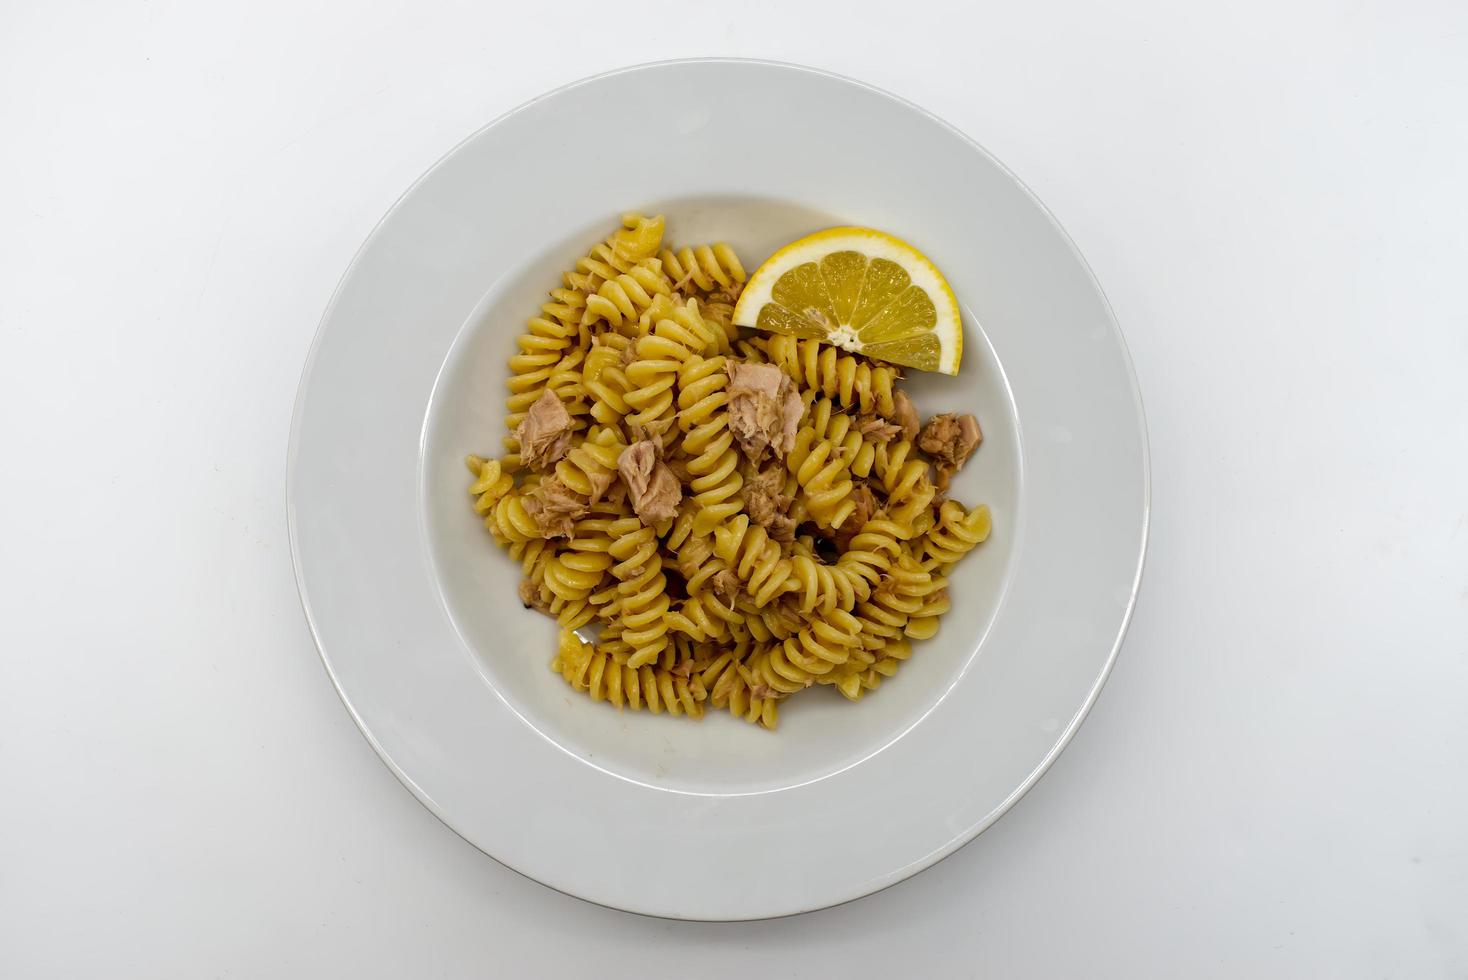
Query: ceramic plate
415,610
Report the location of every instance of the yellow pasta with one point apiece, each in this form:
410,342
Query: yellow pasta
604,379
908,602
906,482
643,589
491,482
687,563
955,534
848,378
637,239
674,335
825,587
596,672
512,522
863,674
705,268
872,551
530,554
713,461
590,468
731,684
822,469
827,421
699,619
799,660
754,557
628,295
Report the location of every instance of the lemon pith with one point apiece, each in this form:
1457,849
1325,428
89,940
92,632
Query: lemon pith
861,290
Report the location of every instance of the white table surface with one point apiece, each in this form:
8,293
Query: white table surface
1275,780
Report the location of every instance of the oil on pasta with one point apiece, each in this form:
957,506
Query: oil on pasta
809,562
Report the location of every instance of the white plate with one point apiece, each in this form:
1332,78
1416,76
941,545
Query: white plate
415,610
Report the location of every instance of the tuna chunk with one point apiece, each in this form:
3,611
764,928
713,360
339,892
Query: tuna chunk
767,506
950,440
601,481
545,432
764,409
530,597
554,507
725,586
905,415
878,429
655,491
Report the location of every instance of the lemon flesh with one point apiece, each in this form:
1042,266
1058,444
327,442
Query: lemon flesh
861,290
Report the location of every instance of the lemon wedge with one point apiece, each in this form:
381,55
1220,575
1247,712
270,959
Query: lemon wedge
861,290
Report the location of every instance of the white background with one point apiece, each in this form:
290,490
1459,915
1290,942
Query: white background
1275,780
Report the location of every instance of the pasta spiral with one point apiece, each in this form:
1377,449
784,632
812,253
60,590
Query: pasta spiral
955,534
923,623
706,268
626,296
675,335
636,240
531,554
589,468
713,462
907,485
604,379
854,682
827,422
596,672
818,649
697,618
491,482
730,684
512,522
718,311
871,553
642,589
563,376
775,621
574,575
685,324
851,381
639,236
822,587
906,592
822,469
753,556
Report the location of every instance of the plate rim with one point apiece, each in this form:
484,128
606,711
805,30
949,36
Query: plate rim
1064,738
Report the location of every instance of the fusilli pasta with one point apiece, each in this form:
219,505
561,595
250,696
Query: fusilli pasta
728,537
